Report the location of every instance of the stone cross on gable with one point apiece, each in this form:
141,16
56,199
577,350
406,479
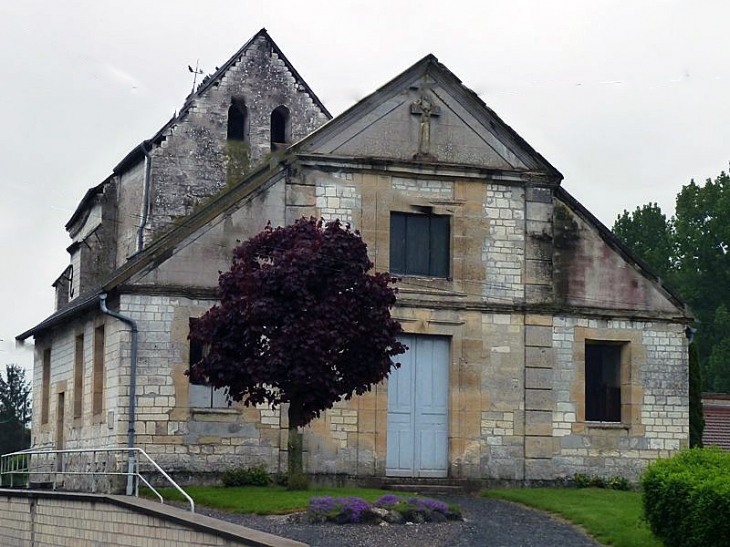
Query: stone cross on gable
425,108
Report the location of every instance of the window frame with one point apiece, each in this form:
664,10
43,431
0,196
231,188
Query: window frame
602,396
218,398
280,120
633,360
46,386
97,399
78,389
421,258
237,121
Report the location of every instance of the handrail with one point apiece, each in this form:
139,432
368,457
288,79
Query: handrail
10,466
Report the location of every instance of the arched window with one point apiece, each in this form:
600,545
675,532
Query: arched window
280,127
237,121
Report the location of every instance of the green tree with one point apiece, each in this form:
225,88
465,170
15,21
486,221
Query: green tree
648,233
692,251
14,410
702,239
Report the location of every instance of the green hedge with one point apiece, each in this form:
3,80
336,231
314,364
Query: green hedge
687,498
246,476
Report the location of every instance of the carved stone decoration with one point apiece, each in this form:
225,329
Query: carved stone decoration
425,108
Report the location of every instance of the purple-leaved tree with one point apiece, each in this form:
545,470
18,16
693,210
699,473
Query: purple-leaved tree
300,321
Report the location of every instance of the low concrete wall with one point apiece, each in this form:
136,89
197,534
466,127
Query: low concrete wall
31,518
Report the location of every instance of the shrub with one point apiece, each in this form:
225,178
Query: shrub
246,476
618,483
16,464
581,481
687,498
593,481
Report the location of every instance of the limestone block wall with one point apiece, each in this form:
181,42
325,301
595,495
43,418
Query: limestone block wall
503,252
180,437
502,400
336,199
89,429
50,519
654,398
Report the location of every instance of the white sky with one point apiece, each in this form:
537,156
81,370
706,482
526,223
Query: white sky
629,99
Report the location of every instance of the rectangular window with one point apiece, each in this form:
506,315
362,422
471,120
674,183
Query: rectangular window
202,394
603,382
419,244
98,399
79,376
46,386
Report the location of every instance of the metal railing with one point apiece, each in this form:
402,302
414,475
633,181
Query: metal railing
98,465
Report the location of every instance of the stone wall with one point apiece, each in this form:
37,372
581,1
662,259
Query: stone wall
195,160
90,429
654,396
503,253
50,519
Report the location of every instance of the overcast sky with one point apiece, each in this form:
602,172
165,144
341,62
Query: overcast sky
629,99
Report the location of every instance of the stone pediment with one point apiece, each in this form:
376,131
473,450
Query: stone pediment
426,114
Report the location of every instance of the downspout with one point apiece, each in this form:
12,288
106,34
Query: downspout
132,388
145,195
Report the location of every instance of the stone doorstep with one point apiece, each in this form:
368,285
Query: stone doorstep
444,489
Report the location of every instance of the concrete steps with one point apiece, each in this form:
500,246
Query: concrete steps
428,489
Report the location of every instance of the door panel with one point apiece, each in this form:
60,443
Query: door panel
418,409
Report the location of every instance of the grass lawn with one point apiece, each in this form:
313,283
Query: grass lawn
612,517
266,500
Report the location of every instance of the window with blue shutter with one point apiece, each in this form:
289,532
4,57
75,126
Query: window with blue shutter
419,244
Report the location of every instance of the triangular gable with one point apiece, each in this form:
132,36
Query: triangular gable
427,114
220,72
136,155
593,268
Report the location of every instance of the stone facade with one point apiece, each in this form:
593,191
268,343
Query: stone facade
533,286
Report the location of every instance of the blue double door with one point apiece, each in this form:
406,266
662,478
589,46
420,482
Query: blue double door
418,402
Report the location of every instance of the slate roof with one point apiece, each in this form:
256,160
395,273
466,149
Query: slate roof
717,420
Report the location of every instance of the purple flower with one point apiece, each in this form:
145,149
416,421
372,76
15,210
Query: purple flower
429,504
322,504
354,507
387,501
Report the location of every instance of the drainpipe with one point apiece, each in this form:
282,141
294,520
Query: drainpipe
132,388
145,195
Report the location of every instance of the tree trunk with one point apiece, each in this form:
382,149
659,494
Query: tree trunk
296,478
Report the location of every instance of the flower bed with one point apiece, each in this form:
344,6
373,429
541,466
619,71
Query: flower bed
388,509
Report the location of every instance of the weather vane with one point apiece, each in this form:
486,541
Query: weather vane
195,71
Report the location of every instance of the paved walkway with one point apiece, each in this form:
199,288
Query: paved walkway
489,523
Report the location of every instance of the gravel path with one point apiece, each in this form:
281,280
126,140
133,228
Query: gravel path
489,523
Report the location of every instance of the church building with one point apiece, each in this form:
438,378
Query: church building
539,345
